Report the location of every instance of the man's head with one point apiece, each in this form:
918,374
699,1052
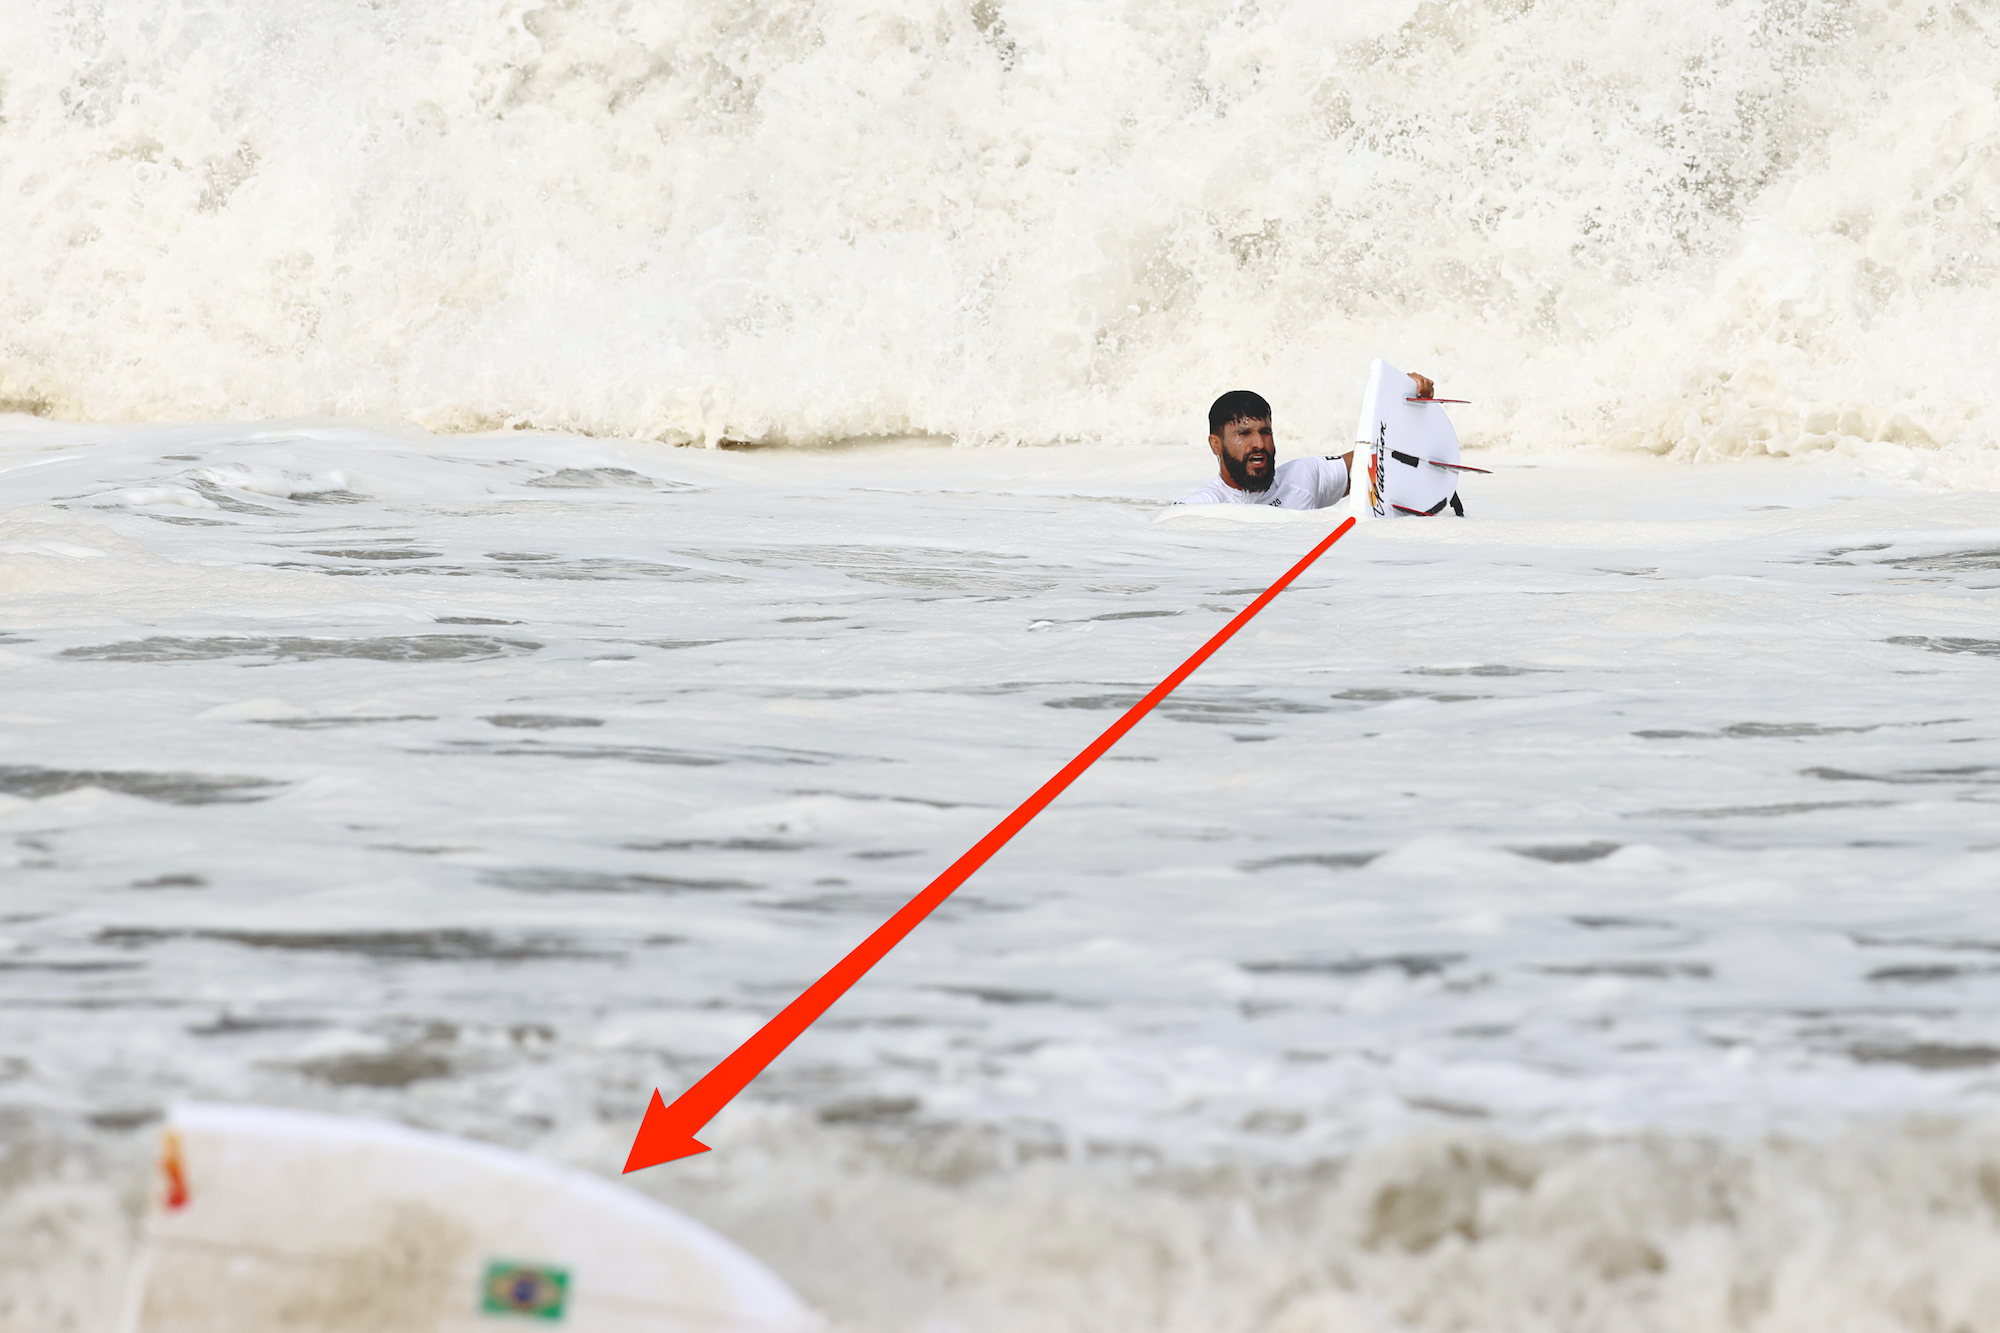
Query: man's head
1239,434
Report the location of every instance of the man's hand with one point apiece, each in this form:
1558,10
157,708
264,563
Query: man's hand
1424,386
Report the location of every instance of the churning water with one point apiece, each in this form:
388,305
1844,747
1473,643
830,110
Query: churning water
1712,227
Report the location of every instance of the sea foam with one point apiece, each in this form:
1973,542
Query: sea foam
1711,229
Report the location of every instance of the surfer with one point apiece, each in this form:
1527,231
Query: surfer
1249,473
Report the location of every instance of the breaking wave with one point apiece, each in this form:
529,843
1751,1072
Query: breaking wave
1890,1228
1718,228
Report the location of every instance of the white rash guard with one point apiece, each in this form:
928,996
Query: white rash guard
1303,483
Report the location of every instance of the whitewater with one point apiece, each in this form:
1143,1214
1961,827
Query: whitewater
527,530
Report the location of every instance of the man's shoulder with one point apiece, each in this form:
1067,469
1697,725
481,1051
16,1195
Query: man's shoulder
1311,463
1211,494
1312,482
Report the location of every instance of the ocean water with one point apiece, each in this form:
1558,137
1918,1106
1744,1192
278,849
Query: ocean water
1575,917
1552,919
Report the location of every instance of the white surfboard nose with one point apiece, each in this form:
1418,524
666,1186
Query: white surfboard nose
269,1221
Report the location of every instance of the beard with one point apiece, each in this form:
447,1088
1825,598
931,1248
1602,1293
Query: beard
1239,471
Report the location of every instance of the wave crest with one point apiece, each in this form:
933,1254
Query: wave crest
1020,220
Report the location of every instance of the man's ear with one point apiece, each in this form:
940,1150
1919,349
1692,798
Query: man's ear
1215,445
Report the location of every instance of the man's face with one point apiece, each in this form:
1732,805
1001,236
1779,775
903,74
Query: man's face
1248,452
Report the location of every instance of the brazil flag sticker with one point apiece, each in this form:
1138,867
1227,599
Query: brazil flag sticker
535,1290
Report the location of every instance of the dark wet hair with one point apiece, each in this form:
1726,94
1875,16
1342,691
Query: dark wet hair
1237,405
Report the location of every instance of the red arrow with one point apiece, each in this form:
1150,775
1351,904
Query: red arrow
668,1132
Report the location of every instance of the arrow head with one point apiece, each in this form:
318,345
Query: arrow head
662,1138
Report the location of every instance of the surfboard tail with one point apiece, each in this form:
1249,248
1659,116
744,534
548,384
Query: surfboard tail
1413,448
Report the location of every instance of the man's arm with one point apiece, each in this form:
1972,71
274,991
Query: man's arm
1323,482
